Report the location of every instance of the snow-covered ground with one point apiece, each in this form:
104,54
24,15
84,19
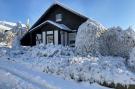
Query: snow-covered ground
10,81
17,76
64,63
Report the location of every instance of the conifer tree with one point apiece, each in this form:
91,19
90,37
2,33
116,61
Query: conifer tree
28,24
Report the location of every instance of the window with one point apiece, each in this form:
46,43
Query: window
49,32
58,17
72,41
50,37
72,37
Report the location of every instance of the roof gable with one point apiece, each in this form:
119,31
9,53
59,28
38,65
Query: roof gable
61,26
53,6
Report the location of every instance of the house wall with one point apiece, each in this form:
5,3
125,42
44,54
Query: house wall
26,40
46,34
70,19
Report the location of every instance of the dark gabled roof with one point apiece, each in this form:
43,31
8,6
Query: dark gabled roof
60,26
61,5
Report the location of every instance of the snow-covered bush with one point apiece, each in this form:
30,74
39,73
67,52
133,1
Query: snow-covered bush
131,60
61,61
117,42
2,36
3,52
50,50
19,29
85,69
8,38
18,33
16,42
87,39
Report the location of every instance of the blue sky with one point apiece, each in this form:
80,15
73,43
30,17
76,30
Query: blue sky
107,12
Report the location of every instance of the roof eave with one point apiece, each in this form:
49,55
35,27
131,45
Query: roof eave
52,23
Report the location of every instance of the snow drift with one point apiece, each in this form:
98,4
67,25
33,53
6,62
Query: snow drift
87,39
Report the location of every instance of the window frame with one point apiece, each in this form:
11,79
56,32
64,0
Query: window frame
58,17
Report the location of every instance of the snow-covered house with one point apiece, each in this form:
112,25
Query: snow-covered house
58,25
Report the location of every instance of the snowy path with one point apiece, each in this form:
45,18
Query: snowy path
26,74
42,80
10,81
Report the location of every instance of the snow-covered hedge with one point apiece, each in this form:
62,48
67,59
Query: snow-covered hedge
18,32
88,36
16,42
50,50
82,69
63,62
131,60
94,38
117,42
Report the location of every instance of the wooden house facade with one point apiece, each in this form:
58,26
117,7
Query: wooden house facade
58,25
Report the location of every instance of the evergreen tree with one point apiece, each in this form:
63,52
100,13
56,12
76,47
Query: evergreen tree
28,24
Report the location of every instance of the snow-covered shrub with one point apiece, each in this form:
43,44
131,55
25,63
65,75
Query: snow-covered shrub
50,50
117,42
3,44
131,60
19,29
2,36
18,33
9,36
82,69
3,52
87,39
65,64
16,42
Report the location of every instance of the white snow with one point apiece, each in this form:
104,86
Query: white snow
63,62
87,39
57,67
38,80
117,42
131,60
10,81
3,44
61,26
19,33
10,24
9,30
5,27
69,9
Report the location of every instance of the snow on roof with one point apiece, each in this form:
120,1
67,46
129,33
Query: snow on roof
69,9
10,24
4,27
61,26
